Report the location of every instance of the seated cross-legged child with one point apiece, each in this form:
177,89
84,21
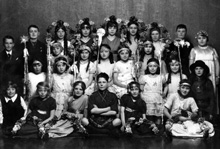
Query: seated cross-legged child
133,112
41,111
183,110
102,109
12,107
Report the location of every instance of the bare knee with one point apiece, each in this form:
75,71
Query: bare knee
85,121
116,122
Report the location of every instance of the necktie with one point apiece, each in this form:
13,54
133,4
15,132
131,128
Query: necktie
9,56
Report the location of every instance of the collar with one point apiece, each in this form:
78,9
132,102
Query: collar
10,52
12,99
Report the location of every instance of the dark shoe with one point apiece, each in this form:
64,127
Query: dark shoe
206,134
168,136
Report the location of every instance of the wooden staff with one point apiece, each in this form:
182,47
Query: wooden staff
24,40
161,89
178,52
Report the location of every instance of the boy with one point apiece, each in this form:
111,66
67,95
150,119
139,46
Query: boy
102,108
10,61
184,47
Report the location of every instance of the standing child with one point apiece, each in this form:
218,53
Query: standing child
76,110
174,77
123,72
202,89
61,85
35,76
12,107
41,111
133,112
153,92
86,68
111,39
106,63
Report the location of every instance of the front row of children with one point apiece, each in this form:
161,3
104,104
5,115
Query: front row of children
100,113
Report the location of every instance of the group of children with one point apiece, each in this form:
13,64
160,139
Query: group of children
134,86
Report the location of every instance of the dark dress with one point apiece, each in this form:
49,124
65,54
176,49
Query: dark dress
12,111
102,99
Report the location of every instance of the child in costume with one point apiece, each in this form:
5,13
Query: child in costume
133,112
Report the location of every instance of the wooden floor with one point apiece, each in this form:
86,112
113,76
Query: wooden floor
106,142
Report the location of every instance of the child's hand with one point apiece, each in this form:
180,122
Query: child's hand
122,128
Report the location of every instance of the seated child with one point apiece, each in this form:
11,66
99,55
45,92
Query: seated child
102,108
12,107
183,110
133,112
40,113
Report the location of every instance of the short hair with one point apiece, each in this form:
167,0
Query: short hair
45,85
7,37
133,83
102,75
83,85
11,84
34,26
181,26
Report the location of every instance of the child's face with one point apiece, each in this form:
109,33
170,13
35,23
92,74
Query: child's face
102,84
78,91
174,66
37,66
56,51
9,44
181,33
153,66
61,68
112,30
85,31
11,92
84,55
42,92
155,35
133,29
124,55
134,91
148,49
184,90
60,33
104,53
202,41
199,71
33,33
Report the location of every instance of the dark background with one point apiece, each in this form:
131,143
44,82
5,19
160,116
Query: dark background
17,15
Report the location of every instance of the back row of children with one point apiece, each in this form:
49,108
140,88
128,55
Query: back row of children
156,85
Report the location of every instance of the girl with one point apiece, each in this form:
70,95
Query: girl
61,35
202,89
173,77
12,107
146,53
133,35
106,63
152,85
207,54
111,39
133,112
41,111
86,38
35,77
86,68
76,110
123,72
61,84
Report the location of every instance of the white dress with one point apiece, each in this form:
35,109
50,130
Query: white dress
126,74
34,79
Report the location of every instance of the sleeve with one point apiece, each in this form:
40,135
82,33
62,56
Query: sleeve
86,101
143,107
92,68
116,68
53,104
193,105
91,102
31,104
169,102
192,54
211,96
215,54
123,101
114,104
141,80
23,104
